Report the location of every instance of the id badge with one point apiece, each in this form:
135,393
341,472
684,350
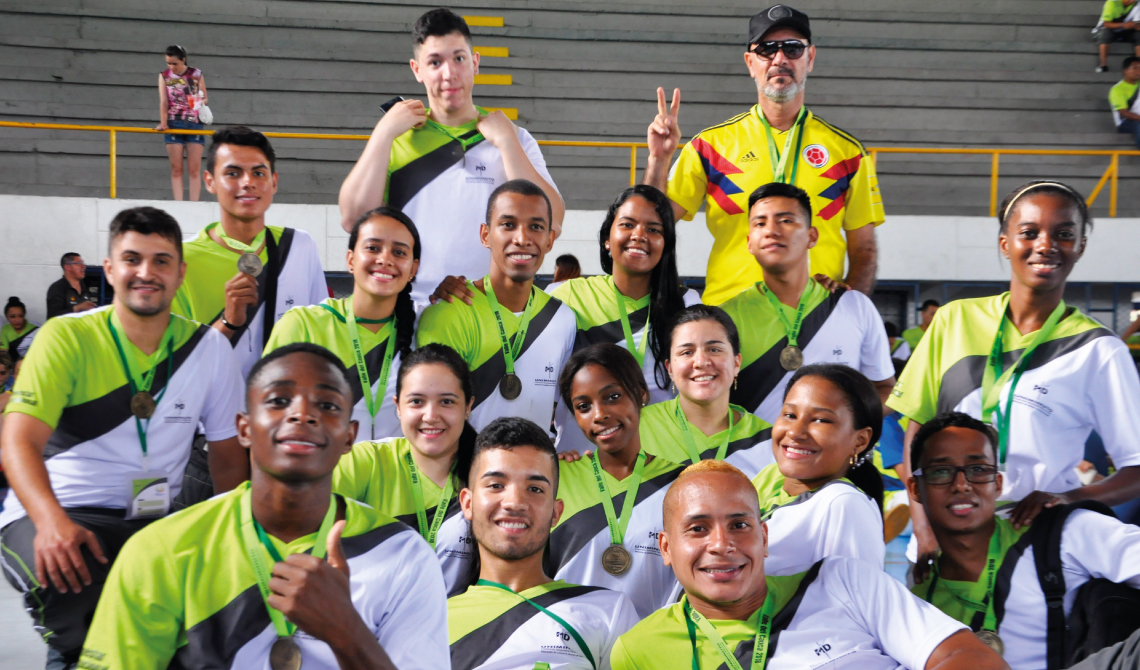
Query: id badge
150,495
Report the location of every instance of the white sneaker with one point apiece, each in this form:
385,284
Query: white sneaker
1101,68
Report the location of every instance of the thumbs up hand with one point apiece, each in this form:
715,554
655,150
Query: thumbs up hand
315,593
335,552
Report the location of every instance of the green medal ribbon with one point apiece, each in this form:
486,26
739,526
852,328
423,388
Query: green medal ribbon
759,650
371,401
691,442
251,248
994,378
562,622
618,525
255,540
418,498
638,352
510,353
791,329
987,605
780,161
147,380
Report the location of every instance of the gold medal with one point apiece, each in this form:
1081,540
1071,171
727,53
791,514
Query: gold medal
510,386
791,358
142,405
616,560
285,654
250,264
991,640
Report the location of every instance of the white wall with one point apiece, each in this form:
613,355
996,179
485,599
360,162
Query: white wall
36,231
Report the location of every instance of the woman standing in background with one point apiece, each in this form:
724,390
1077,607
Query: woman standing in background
181,93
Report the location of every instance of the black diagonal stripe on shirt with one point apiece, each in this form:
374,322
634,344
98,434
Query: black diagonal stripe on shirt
763,375
965,376
215,641
485,378
413,522
406,182
374,362
780,622
278,249
93,419
473,649
365,542
611,332
739,445
569,538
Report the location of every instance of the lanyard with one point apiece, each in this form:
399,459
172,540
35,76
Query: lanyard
691,442
791,329
780,162
372,402
569,629
994,378
618,525
510,353
638,352
255,539
251,248
147,380
418,498
987,605
759,650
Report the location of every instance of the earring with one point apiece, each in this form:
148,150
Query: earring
674,388
853,462
736,382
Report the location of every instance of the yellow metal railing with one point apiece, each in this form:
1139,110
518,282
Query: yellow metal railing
1110,176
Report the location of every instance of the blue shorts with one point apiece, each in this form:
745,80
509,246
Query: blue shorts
181,124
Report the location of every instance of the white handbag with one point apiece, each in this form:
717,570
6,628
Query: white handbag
205,116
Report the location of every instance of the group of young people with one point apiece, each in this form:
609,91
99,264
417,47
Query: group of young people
614,474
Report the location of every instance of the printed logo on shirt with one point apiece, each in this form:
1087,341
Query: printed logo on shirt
480,177
749,157
1028,402
816,155
551,377
180,415
24,398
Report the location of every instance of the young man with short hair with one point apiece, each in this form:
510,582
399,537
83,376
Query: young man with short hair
841,614
1123,99
925,314
97,433
1117,24
70,293
243,275
514,337
779,139
514,615
433,163
986,576
308,579
789,319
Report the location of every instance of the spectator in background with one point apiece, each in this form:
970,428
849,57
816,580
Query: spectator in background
18,325
900,348
71,293
566,267
1122,97
1118,22
181,93
925,314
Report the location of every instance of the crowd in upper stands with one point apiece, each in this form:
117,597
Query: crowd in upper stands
452,467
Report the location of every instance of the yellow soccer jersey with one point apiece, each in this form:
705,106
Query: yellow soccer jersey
721,167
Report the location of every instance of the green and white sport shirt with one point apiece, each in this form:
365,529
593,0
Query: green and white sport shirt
73,380
749,442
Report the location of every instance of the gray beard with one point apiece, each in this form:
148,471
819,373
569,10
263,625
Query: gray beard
781,95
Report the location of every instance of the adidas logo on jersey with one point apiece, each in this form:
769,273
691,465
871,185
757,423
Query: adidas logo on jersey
749,157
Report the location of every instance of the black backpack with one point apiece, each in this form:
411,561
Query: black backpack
1103,612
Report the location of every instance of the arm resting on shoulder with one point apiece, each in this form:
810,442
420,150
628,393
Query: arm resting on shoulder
862,259
964,651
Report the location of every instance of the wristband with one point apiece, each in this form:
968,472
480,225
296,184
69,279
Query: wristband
227,324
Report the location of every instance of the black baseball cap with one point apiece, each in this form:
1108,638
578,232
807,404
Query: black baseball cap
778,16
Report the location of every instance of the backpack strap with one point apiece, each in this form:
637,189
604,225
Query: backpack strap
1046,532
276,254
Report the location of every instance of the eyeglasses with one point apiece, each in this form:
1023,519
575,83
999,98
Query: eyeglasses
793,49
942,475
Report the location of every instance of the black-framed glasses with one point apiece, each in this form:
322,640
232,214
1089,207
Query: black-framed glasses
793,49
942,475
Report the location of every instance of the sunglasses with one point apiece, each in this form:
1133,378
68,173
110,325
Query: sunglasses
943,475
793,49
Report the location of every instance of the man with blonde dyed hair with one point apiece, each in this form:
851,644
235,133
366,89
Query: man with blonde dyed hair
735,615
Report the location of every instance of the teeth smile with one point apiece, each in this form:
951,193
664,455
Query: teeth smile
704,378
383,275
431,431
512,525
719,571
799,452
521,257
608,431
961,506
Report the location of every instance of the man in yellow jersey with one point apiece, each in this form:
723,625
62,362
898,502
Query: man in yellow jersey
777,140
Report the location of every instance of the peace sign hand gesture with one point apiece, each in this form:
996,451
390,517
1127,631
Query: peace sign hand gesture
665,133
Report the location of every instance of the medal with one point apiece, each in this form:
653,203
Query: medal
510,386
992,640
142,405
616,560
791,358
285,654
250,264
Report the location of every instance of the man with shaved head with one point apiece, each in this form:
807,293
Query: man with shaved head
842,612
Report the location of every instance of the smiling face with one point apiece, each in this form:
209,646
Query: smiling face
637,237
15,316
432,409
961,507
446,66
382,263
518,235
242,180
510,501
145,271
701,361
814,437
297,424
1043,240
780,79
713,538
607,414
780,234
